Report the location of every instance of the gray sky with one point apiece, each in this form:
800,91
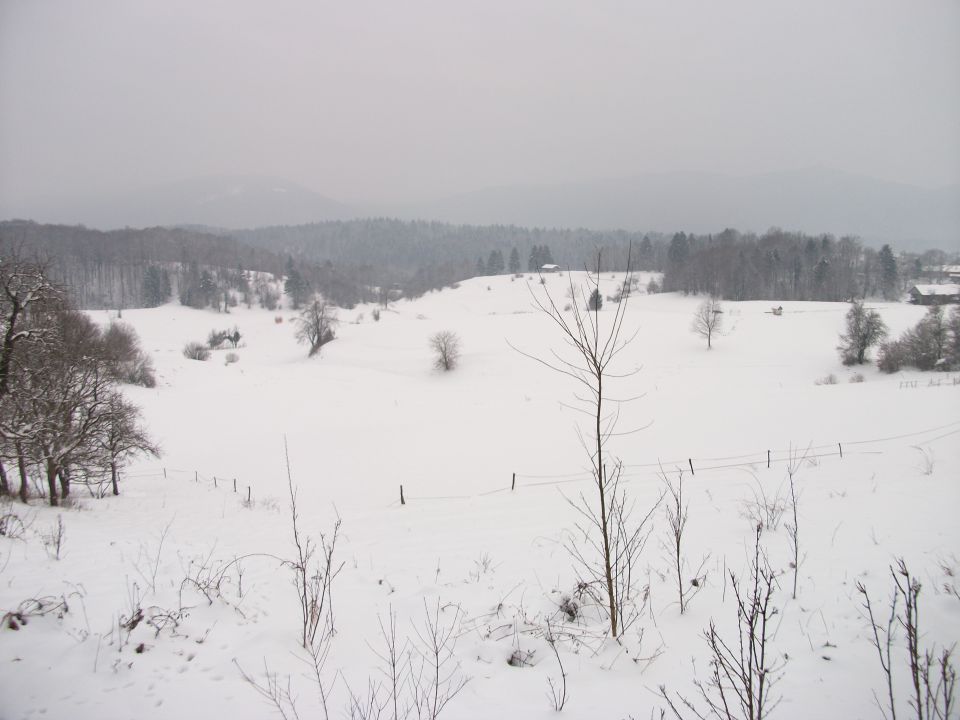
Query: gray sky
395,101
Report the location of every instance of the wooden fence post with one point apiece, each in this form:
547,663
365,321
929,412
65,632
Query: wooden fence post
196,476
234,484
841,450
402,500
690,460
248,494
768,459
164,473
214,480
513,483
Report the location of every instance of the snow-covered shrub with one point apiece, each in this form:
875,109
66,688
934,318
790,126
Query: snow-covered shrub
891,356
127,363
570,607
932,344
858,378
216,338
520,658
231,358
196,351
830,379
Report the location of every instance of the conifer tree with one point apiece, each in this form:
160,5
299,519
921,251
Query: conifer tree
888,273
514,266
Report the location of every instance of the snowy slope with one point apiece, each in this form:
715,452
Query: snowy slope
371,414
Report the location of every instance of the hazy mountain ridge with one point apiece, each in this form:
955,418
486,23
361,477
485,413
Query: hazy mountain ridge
229,202
813,201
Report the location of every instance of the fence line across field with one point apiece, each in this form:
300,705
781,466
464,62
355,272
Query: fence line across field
631,471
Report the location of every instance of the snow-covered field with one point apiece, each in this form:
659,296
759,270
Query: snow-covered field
371,414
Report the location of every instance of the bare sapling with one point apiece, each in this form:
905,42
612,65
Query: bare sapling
55,538
593,347
882,640
314,571
608,571
745,671
558,689
678,513
793,527
764,509
313,576
435,674
419,678
395,666
932,674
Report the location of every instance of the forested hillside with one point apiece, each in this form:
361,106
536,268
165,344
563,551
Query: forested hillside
419,255
147,267
782,265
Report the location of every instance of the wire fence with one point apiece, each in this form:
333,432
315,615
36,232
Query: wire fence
695,465
217,482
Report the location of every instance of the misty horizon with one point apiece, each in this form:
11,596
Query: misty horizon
372,104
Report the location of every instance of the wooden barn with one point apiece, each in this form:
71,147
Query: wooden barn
935,294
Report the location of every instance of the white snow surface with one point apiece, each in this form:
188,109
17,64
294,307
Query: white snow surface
371,413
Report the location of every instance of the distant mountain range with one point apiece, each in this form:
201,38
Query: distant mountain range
814,201
232,202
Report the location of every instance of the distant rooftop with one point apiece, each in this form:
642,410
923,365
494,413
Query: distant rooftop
945,289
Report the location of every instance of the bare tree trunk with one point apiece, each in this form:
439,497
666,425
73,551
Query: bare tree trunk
4,485
113,477
601,483
52,480
22,464
64,474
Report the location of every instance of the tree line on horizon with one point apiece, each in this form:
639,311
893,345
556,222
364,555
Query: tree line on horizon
349,262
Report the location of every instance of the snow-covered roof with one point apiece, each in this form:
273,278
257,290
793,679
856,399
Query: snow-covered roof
946,289
549,267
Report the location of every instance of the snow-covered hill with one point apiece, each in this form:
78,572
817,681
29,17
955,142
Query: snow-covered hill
371,414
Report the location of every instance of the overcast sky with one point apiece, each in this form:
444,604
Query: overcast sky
394,101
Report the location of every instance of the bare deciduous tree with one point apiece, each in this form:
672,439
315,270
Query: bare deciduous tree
23,287
708,320
316,324
865,328
446,347
122,437
610,534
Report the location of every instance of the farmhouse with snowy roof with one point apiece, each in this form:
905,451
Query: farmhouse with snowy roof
935,294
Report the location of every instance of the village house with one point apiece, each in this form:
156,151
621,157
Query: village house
935,294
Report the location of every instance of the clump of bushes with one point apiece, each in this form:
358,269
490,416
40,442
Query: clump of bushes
932,344
196,351
216,338
126,362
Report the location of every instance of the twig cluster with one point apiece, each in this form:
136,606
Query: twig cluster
744,672
932,674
